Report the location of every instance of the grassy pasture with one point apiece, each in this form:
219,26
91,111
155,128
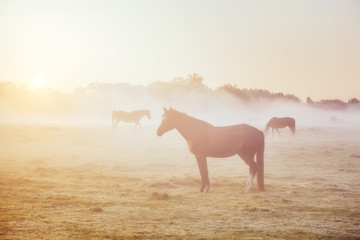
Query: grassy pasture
69,182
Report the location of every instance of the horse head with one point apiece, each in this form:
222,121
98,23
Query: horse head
266,131
167,122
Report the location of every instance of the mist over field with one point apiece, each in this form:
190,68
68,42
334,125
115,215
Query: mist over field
224,105
66,173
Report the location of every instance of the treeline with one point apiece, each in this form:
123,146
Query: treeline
256,95
189,90
193,85
20,98
334,104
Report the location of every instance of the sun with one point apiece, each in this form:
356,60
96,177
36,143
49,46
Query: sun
37,82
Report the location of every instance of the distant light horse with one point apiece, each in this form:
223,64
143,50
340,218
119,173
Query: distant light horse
205,140
134,116
276,123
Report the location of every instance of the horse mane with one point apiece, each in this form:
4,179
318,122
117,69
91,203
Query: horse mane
269,123
181,115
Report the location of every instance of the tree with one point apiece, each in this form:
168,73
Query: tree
309,101
354,101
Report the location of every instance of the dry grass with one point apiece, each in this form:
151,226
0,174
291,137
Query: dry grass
96,183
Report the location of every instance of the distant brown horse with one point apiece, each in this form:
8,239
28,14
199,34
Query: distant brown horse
134,116
276,123
205,140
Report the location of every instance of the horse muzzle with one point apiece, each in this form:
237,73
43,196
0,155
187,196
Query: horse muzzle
159,133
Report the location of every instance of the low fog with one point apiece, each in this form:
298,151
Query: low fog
227,105
66,172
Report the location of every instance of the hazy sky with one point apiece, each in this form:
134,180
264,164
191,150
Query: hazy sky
307,48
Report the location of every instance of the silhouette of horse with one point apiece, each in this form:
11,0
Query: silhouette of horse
276,123
205,140
134,116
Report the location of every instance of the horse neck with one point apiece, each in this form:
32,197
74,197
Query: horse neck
268,125
187,126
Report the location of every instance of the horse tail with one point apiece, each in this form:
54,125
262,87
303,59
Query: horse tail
260,163
293,128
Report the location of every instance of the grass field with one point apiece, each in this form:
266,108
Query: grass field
68,182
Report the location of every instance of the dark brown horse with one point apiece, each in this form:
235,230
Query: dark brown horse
205,140
134,116
276,123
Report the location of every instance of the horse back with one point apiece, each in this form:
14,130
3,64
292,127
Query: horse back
245,134
290,121
227,141
281,122
134,116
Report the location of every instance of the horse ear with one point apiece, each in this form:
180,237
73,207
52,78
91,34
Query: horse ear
165,110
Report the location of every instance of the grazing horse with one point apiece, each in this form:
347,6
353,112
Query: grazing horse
276,123
205,140
134,116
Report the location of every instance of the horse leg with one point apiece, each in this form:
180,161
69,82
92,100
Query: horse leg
206,176
252,171
246,160
278,131
116,123
137,125
201,161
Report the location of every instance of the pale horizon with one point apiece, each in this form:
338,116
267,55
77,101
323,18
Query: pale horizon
309,49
